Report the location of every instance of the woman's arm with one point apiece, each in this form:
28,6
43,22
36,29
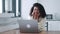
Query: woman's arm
41,24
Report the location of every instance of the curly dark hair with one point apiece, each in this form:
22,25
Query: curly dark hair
40,8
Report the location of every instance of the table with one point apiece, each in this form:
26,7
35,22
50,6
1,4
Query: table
18,32
46,32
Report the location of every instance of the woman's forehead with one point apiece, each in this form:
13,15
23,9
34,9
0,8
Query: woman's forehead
35,7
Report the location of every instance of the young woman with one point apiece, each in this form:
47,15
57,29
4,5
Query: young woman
38,13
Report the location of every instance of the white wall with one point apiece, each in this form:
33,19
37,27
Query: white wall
16,7
51,7
25,7
53,25
0,6
8,5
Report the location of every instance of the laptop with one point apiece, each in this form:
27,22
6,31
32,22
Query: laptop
28,26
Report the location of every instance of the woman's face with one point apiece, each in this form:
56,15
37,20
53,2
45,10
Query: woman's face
35,13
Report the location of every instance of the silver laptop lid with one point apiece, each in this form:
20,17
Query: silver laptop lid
28,25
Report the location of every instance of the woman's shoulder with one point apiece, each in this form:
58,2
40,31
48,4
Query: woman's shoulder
42,19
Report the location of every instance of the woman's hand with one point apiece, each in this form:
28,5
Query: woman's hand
35,15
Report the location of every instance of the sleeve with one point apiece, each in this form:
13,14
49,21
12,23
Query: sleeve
41,24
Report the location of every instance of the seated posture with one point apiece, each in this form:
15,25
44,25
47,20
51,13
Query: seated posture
38,13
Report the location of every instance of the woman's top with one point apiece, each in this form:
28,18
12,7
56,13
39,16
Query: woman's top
41,23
